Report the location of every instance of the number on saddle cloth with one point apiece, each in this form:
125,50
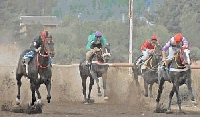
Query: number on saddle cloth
29,54
139,57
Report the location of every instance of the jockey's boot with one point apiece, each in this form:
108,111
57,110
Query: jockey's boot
88,58
87,63
26,64
167,62
139,61
26,68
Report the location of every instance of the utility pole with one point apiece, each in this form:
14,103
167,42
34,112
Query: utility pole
131,32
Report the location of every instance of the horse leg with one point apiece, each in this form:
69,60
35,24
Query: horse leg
32,86
160,89
94,76
135,75
90,88
98,87
188,83
84,87
150,90
105,90
48,87
178,98
19,83
170,99
145,89
104,77
39,101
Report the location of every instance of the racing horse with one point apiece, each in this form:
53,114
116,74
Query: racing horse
148,70
39,64
98,68
178,73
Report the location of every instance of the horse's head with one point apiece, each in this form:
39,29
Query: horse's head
106,53
186,56
157,54
48,46
182,58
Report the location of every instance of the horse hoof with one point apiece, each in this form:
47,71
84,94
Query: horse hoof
99,94
160,108
30,104
90,101
194,104
181,113
106,98
48,99
17,101
168,111
39,101
86,103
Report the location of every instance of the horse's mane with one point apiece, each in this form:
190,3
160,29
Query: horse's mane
177,60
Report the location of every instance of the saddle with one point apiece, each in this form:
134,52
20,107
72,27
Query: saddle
175,59
149,60
97,56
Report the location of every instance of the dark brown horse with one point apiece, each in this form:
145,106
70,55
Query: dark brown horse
97,69
148,71
179,73
39,64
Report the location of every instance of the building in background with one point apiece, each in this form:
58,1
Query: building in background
48,22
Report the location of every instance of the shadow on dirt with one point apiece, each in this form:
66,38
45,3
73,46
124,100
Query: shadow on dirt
163,109
9,106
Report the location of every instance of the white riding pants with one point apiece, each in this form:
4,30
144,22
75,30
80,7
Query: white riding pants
172,52
145,54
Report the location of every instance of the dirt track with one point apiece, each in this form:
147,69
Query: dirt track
67,93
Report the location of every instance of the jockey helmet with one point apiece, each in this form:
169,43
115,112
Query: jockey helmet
154,38
98,34
178,38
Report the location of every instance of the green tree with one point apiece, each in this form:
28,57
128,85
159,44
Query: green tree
180,16
11,10
57,12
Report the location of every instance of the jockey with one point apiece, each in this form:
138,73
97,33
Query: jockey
147,48
95,42
35,47
173,45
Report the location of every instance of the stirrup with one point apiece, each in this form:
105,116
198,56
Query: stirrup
87,63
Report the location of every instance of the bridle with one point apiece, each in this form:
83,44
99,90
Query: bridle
44,42
45,55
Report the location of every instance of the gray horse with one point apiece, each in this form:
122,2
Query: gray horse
97,69
178,74
39,64
148,71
